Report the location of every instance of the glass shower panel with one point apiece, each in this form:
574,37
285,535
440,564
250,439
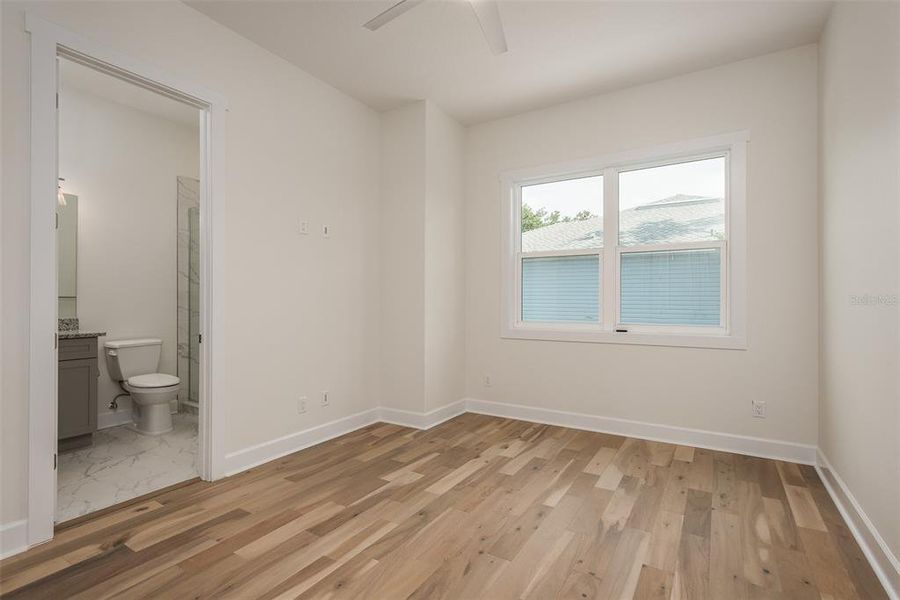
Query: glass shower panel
188,293
194,306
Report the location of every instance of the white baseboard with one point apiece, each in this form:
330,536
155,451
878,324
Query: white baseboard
13,538
253,456
113,419
427,420
247,458
883,561
122,416
739,444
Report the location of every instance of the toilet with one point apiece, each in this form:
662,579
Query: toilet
133,363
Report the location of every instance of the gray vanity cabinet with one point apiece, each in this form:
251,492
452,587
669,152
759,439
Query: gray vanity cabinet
77,398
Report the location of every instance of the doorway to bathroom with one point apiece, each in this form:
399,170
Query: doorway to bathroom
128,245
162,380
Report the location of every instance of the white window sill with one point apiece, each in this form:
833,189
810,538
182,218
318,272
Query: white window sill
682,340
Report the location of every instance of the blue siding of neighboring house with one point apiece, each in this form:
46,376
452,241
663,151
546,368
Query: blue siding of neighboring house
564,288
679,287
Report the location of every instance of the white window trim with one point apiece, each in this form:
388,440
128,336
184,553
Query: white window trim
733,333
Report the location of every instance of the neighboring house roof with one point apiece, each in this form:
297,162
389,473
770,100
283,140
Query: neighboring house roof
679,218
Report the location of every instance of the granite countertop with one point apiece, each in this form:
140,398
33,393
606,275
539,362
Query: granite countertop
71,335
68,330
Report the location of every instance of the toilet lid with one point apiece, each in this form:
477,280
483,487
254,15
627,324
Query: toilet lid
153,380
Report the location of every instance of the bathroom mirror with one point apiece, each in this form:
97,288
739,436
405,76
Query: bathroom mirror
67,255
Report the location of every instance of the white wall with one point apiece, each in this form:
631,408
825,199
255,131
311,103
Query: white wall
301,312
122,163
774,97
444,261
402,263
422,259
859,424
10,470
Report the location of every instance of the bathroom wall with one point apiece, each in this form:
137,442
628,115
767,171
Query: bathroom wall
123,164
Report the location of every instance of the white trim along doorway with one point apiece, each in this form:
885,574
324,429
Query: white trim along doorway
48,43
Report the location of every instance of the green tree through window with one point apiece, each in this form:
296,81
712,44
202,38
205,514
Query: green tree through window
535,219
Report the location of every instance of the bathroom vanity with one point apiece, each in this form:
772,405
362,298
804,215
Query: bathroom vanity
77,370
77,389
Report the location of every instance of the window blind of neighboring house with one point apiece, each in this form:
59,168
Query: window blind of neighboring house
677,287
561,288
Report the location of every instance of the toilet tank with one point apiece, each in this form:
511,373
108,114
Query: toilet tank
127,358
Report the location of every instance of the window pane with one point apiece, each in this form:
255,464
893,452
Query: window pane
563,215
561,288
675,203
675,287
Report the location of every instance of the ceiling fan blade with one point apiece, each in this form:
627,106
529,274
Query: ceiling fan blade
488,14
391,14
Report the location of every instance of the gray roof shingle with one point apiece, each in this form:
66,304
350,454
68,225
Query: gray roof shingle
679,218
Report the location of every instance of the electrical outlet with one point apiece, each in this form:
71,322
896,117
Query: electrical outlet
301,405
304,227
488,382
758,409
324,398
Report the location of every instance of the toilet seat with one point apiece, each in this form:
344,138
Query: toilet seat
153,380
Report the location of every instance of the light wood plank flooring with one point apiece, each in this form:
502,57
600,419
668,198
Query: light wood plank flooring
479,507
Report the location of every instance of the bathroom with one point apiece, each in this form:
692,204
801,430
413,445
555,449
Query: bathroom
128,269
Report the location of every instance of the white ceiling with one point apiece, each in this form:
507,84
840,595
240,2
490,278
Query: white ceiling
75,76
558,50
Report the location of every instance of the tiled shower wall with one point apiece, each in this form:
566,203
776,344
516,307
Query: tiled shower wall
188,291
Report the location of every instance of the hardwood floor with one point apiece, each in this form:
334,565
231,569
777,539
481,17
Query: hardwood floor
479,507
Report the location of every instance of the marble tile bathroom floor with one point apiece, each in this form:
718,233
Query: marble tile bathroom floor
123,464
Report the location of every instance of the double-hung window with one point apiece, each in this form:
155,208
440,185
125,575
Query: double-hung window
644,247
